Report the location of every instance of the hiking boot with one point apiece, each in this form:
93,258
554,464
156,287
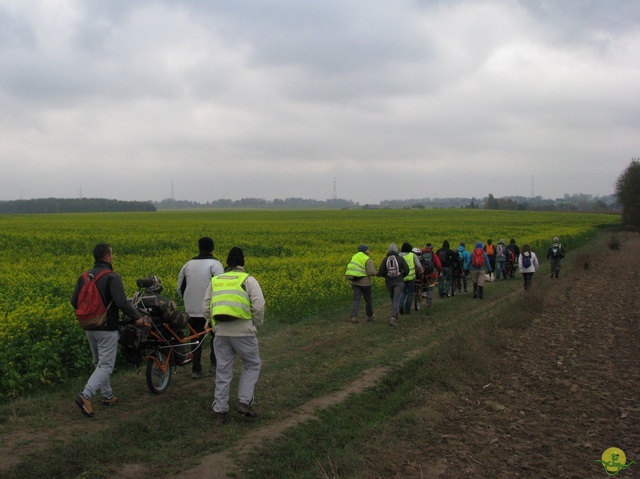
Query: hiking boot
85,405
183,359
246,410
393,322
109,402
354,319
370,318
222,418
197,375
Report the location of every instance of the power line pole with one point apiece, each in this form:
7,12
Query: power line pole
532,192
335,194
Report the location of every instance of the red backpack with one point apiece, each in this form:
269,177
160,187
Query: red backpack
477,258
91,311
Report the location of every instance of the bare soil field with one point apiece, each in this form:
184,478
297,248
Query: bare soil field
567,390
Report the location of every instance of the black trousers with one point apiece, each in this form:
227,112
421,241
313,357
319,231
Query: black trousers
196,366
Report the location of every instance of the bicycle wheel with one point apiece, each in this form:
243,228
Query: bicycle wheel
157,380
417,298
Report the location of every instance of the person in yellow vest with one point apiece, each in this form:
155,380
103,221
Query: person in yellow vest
415,270
359,272
235,305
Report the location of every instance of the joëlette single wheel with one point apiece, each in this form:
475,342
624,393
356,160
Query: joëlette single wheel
157,380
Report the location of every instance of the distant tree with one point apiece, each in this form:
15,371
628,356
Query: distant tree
628,193
491,203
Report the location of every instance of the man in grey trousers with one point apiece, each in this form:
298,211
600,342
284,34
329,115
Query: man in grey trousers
103,340
235,305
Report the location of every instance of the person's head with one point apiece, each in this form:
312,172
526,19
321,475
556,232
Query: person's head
526,248
205,244
363,248
235,257
406,248
489,241
500,241
556,239
103,252
479,244
462,244
445,244
393,248
428,246
513,241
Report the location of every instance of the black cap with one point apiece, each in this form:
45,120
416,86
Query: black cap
205,244
235,257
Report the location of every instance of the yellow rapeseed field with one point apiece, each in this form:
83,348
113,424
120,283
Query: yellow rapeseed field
298,257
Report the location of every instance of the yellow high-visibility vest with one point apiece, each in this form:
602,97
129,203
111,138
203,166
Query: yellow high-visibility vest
357,266
227,296
412,266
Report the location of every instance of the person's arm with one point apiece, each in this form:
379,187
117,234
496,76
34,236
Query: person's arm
206,304
216,268
370,268
382,271
119,297
487,263
182,282
257,300
416,261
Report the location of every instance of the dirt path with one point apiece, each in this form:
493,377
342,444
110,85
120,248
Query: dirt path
221,465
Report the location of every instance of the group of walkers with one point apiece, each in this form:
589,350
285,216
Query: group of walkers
233,303
450,269
227,298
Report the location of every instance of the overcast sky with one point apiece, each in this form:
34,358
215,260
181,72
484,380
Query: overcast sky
366,99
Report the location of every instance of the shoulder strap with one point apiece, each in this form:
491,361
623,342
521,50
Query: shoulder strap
97,276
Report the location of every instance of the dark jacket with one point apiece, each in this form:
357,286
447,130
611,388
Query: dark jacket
111,289
445,255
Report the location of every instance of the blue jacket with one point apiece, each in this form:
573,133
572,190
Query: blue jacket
465,257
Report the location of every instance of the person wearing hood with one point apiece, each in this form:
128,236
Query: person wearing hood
502,254
479,266
235,305
446,257
393,269
359,272
555,253
465,259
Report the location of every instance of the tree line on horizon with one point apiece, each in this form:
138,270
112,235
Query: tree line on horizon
72,205
577,202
